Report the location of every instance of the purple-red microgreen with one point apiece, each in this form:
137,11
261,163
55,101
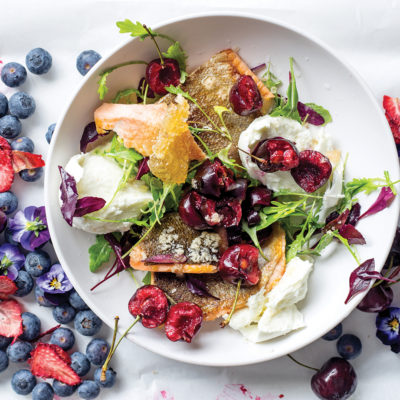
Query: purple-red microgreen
143,168
87,205
197,286
384,200
308,114
352,235
89,135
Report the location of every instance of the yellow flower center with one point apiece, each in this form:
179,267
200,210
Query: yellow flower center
55,284
394,324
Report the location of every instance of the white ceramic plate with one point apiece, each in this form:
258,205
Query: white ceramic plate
359,128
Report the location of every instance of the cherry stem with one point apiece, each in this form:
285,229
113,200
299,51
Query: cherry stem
155,42
261,160
226,322
45,333
171,300
299,363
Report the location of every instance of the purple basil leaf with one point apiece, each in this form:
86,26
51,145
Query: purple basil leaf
196,286
307,112
352,235
384,200
337,223
166,259
87,205
89,135
258,68
143,168
69,195
354,215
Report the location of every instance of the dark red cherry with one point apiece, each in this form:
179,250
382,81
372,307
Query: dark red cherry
240,262
230,212
244,96
253,218
159,75
259,196
190,210
377,299
276,154
237,189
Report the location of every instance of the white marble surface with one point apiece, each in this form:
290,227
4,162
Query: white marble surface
365,33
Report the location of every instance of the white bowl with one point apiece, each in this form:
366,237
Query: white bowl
359,128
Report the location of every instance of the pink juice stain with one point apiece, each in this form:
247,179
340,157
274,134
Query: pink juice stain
235,391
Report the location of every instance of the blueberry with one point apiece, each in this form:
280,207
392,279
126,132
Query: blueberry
21,105
49,133
87,323
86,60
31,175
88,390
10,126
3,105
23,381
38,61
39,295
3,361
110,377
37,263
64,314
80,363
8,236
8,202
96,351
31,326
76,301
13,74
63,337
24,283
3,221
23,143
4,342
334,333
62,389
20,351
349,346
43,391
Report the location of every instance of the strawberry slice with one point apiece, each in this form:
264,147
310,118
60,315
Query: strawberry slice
7,287
395,128
10,319
23,160
392,107
61,353
6,169
46,363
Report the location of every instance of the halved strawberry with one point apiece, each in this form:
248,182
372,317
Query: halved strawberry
7,287
395,128
61,353
6,169
392,107
23,160
46,363
10,319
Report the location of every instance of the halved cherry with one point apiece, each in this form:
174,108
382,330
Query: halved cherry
162,74
244,96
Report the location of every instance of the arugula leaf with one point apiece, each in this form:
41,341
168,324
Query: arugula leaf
271,81
219,110
127,93
135,30
99,253
176,52
323,112
147,278
121,153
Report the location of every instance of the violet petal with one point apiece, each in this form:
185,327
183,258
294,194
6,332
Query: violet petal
89,135
352,235
69,195
25,240
384,200
198,287
87,205
307,112
166,259
37,241
143,168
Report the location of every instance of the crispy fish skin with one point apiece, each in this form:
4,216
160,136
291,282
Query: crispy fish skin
271,272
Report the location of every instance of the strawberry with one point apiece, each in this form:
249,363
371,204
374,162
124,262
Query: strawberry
395,128
10,319
61,353
23,160
392,108
7,287
45,362
6,170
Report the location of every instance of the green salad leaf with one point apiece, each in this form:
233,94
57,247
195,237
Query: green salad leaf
176,52
121,153
99,253
147,278
271,81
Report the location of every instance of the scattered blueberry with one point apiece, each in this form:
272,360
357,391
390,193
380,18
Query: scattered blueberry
62,389
88,390
334,333
63,337
10,126
64,314
39,295
4,342
19,351
24,283
8,202
49,133
13,74
23,143
76,301
37,263
31,175
43,391
3,361
23,381
3,221
86,60
87,323
21,105
3,105
38,61
349,346
80,363
97,351
30,325
110,377
8,236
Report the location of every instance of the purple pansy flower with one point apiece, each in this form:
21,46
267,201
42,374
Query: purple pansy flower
11,260
29,227
388,327
55,281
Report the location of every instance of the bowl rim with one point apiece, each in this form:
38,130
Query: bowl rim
97,67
